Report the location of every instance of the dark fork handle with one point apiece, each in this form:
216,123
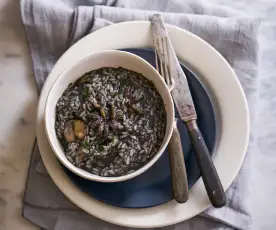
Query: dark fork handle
206,166
178,169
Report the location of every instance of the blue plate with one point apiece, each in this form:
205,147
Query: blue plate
153,187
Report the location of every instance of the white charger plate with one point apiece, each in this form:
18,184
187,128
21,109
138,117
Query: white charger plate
226,93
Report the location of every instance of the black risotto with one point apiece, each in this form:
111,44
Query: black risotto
111,121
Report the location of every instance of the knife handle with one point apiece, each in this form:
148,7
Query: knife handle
178,169
206,166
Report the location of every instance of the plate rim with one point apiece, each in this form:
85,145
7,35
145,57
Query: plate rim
171,212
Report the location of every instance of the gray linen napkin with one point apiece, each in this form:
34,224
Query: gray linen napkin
52,26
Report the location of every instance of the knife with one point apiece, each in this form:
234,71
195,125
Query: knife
184,103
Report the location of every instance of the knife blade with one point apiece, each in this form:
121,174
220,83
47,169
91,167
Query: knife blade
181,92
184,103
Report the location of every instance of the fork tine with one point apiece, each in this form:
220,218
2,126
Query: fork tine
171,78
168,65
160,55
166,62
157,61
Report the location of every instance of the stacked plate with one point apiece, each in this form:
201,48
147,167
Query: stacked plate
146,200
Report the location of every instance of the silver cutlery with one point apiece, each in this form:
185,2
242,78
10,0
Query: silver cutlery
184,103
177,163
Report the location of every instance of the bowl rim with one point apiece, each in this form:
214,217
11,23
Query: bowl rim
169,105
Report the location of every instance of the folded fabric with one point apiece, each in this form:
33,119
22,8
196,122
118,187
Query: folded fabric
52,26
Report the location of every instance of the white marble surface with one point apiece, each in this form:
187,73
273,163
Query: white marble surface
18,101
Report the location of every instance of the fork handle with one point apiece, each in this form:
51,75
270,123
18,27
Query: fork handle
178,169
206,166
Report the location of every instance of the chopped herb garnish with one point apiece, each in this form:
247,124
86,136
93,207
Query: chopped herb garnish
101,148
86,92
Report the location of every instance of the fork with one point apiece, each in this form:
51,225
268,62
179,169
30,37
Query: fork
177,163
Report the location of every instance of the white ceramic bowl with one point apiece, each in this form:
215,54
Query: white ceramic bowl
110,58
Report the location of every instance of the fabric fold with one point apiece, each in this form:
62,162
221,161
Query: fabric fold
52,27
